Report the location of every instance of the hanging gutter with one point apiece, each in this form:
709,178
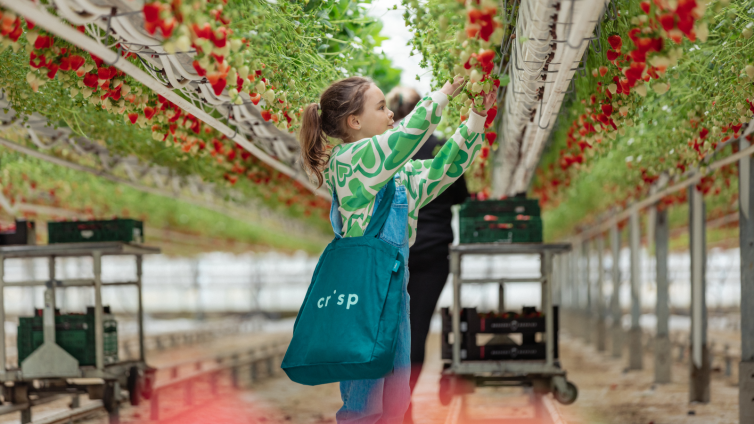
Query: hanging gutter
556,35
170,73
147,178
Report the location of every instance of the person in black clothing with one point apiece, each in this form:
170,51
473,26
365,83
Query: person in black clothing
428,257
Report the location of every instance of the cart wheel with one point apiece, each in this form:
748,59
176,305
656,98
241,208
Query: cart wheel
569,396
134,385
446,390
109,398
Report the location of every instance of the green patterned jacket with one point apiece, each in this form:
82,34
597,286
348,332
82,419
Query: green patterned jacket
358,170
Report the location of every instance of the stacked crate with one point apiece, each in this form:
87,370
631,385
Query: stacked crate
500,347
73,332
125,230
514,220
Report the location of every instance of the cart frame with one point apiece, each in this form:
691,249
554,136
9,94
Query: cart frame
523,371
54,363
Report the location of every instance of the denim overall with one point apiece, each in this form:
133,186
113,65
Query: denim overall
384,400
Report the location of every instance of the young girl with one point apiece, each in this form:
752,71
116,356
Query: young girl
373,152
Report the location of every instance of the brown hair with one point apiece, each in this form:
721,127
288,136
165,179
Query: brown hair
341,99
402,100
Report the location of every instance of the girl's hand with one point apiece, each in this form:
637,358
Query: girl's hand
451,90
489,101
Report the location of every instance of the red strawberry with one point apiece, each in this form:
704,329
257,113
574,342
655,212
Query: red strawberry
255,98
53,69
152,12
199,70
266,115
203,31
491,137
615,42
491,114
645,7
133,117
219,86
103,74
603,71
90,80
43,42
149,112
667,21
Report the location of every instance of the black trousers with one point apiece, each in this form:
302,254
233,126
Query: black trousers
427,279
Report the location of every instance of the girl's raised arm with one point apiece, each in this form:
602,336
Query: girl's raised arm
432,176
371,162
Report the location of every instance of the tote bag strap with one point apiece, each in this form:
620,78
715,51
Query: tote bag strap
379,217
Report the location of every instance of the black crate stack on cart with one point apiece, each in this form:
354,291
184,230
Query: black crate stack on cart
528,324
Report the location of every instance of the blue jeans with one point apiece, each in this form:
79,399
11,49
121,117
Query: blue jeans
383,400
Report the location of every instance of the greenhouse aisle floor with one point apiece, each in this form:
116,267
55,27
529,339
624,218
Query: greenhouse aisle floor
607,395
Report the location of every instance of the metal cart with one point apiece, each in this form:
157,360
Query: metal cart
544,376
50,370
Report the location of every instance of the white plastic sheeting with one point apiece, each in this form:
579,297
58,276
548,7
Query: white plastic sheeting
221,282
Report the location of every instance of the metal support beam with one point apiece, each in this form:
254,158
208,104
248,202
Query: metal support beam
588,316
2,317
600,296
140,316
699,381
663,354
48,317
635,351
546,269
615,310
746,234
501,298
99,333
576,287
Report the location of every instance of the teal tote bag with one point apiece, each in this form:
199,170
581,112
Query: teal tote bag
347,326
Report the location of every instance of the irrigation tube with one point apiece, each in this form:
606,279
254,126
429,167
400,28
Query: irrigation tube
656,197
51,23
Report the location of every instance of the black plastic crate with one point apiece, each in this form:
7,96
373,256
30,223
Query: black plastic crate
506,207
125,230
500,229
73,332
507,352
24,234
473,323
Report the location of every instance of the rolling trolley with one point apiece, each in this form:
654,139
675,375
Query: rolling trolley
51,370
533,366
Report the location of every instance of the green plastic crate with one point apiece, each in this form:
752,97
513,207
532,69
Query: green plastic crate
74,333
125,230
500,230
507,207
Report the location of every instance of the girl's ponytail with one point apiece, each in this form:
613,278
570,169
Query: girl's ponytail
313,140
328,119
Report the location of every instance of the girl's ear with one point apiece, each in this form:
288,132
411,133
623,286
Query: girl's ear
353,122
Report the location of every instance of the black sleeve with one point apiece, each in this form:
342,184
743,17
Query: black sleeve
459,191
